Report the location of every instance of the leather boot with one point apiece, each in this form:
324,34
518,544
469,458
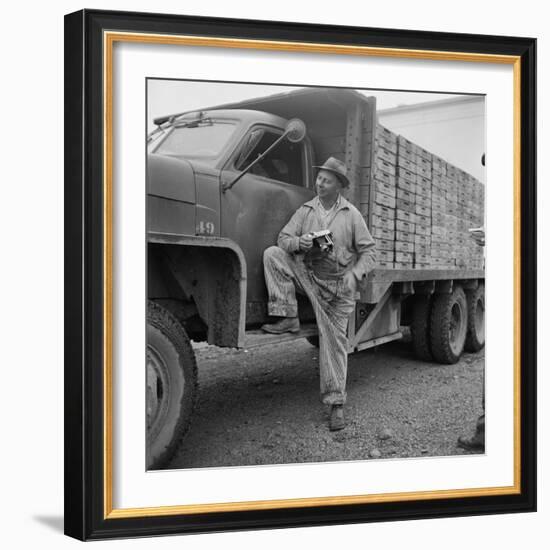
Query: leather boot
285,324
477,441
337,421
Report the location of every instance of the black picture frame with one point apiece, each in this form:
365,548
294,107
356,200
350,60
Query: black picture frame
85,490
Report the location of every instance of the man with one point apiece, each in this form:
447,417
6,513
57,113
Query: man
328,277
477,441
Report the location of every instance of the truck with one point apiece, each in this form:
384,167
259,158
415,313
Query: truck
223,181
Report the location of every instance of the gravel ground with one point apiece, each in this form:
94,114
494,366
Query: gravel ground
262,407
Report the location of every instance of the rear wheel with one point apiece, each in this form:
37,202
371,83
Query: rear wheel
171,384
448,326
420,327
475,338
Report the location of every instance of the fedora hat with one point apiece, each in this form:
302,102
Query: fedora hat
336,167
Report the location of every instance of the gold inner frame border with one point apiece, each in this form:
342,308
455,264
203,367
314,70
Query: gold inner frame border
109,39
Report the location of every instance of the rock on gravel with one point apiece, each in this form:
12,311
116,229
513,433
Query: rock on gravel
375,453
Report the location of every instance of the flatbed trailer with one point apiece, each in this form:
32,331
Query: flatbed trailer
385,303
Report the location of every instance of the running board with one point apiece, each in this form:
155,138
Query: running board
377,341
254,338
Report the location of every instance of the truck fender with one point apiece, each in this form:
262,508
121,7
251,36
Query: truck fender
211,271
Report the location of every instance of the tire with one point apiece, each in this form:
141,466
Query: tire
171,385
475,338
448,326
420,327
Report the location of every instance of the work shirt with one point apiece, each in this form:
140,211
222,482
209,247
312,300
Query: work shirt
354,248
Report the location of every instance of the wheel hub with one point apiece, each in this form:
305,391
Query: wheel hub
157,383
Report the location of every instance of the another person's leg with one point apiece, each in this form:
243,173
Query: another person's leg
476,441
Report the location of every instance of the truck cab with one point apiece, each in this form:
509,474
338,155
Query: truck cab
192,161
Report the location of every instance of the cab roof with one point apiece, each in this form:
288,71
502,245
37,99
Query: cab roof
304,102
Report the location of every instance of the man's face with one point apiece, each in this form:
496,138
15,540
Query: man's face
328,185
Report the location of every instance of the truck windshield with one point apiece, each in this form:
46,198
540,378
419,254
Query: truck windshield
205,139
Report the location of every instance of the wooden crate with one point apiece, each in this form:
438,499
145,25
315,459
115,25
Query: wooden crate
423,210
406,174
423,229
405,215
384,199
439,239
384,223
422,257
439,203
407,185
380,264
421,162
405,205
385,155
405,226
424,201
383,133
388,145
406,154
438,193
438,165
384,255
423,190
385,177
423,220
404,236
385,167
406,257
406,164
405,195
424,172
383,187
424,240
403,143
383,211
423,153
438,219
384,244
381,233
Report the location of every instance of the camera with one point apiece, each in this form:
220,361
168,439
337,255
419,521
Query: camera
323,239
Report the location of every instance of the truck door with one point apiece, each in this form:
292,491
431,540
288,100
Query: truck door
256,208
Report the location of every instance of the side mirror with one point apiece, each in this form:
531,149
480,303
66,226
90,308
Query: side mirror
295,130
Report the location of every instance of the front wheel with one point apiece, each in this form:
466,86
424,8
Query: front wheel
448,326
171,384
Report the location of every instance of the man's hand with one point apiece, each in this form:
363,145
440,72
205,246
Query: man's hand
350,281
478,234
306,242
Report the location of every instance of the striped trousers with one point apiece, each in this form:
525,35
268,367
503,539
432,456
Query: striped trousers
332,303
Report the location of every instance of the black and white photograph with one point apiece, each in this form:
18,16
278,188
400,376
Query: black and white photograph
315,274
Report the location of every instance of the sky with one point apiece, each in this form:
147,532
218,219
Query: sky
175,96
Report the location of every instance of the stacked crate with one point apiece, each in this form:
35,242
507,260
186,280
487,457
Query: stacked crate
384,196
423,209
405,204
457,207
443,219
471,200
